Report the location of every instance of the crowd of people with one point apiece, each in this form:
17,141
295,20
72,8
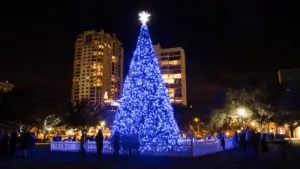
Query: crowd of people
129,144
249,140
11,143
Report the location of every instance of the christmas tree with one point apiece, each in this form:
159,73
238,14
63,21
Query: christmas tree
145,109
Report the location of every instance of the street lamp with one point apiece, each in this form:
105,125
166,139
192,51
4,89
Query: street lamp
242,113
196,119
102,123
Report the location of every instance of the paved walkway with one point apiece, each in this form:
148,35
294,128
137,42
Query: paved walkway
231,159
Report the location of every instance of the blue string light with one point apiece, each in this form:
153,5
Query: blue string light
145,108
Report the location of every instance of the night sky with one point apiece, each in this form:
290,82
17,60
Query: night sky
220,38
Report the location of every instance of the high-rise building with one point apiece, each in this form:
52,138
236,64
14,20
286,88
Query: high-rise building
291,76
98,67
172,65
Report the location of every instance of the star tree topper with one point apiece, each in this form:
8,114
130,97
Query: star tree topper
144,17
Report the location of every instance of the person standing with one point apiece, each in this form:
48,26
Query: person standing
223,140
242,140
248,139
4,144
116,143
99,144
30,143
83,140
13,143
255,142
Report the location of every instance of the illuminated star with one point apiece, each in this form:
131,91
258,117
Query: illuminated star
144,17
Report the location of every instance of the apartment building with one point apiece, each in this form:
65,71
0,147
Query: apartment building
98,67
172,65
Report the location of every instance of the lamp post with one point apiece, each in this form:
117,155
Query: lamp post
102,124
242,113
196,120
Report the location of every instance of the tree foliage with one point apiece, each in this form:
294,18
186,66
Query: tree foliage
17,108
254,101
82,116
20,107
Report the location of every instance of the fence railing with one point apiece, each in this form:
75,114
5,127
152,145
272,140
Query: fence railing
187,147
293,140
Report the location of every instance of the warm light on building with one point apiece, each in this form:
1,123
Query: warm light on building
172,65
98,67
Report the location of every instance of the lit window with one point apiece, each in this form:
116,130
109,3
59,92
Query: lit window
168,78
169,81
174,62
171,92
177,76
164,62
165,76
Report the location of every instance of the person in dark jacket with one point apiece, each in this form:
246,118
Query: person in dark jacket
83,140
222,134
22,144
242,141
13,143
4,140
99,144
116,143
30,143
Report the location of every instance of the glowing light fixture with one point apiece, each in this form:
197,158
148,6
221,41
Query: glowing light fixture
241,112
102,123
144,17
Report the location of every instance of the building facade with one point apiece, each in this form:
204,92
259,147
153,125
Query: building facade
172,65
291,76
98,67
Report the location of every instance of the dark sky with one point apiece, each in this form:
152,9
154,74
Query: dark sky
218,37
